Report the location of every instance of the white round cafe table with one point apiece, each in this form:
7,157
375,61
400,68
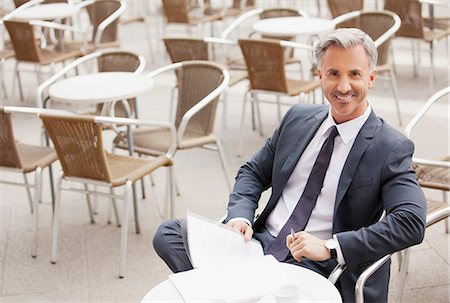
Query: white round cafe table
315,287
100,87
50,11
293,26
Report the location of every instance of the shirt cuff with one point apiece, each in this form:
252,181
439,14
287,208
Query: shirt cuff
239,219
340,256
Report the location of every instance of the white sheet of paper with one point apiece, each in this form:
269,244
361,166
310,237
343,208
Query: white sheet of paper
213,244
233,283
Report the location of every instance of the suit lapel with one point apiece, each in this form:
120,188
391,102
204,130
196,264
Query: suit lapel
362,142
301,142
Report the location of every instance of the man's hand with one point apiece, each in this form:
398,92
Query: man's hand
242,227
308,246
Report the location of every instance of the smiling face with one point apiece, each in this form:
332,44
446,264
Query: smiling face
345,77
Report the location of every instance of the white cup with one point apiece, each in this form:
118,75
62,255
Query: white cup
287,293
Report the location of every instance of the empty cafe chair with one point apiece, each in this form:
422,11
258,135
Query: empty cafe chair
18,157
200,84
79,144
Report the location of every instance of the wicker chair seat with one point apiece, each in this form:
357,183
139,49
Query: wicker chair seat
433,177
295,87
234,79
156,141
123,168
206,18
436,34
442,23
6,53
52,56
35,156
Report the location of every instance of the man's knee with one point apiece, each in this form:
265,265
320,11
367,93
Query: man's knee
165,234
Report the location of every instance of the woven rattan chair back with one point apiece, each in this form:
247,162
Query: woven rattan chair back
278,13
176,11
410,12
99,11
8,150
24,41
374,24
265,61
18,3
183,49
340,7
118,61
79,145
195,82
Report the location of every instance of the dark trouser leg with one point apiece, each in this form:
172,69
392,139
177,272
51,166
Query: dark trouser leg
171,245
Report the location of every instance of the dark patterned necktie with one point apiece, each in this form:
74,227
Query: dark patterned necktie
302,211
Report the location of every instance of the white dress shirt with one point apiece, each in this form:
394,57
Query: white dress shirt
320,223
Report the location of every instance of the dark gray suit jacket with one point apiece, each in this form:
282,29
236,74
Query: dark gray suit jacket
376,177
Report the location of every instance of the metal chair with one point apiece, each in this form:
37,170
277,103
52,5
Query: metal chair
412,27
340,7
237,62
381,26
178,12
200,84
432,174
265,61
79,145
104,18
24,158
27,50
184,49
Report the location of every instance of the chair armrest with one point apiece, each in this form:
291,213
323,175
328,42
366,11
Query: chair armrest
105,23
239,20
336,273
435,163
424,109
21,8
201,104
139,122
359,287
44,85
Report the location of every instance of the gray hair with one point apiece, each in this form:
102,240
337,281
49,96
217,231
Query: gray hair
347,38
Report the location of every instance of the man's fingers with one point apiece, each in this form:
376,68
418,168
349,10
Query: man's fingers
248,233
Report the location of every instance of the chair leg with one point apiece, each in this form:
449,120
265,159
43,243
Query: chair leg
19,82
258,113
2,79
403,272
241,131
279,108
36,200
55,225
395,92
89,204
431,67
136,210
414,59
124,230
30,198
223,161
445,195
114,204
170,191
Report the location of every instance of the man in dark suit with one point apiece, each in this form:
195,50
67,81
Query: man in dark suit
366,173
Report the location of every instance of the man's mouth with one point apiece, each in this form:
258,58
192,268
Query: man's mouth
344,98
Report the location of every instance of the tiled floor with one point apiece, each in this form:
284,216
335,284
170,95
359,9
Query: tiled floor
87,268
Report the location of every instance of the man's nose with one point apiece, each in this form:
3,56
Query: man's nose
344,85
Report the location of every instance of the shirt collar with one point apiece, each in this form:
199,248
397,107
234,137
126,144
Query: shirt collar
347,130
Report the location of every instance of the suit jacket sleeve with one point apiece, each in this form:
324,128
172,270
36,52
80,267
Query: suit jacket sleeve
253,178
404,204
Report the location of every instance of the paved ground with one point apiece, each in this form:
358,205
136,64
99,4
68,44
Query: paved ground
88,254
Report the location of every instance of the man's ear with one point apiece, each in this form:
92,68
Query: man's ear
319,73
372,77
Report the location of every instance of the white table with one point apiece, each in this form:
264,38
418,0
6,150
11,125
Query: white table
316,287
100,87
293,26
50,11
